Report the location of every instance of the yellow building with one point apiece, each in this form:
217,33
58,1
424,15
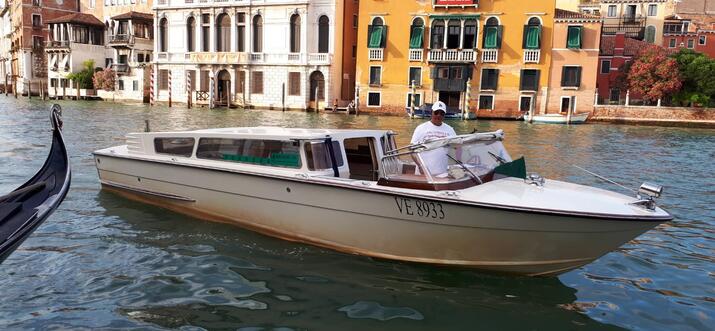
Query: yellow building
493,56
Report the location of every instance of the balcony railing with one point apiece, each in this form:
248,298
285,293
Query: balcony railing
632,26
375,54
416,55
120,68
490,56
452,55
121,39
57,44
532,55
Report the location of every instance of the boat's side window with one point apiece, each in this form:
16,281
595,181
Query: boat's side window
318,158
174,146
274,153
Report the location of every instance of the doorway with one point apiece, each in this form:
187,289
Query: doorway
317,89
567,104
450,98
223,89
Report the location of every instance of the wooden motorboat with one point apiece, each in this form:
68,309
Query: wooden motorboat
355,192
25,208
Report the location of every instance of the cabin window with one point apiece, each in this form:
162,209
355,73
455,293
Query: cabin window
361,158
316,154
174,146
274,153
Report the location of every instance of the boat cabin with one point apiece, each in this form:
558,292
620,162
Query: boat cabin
363,155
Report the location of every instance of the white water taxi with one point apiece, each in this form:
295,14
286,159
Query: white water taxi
354,191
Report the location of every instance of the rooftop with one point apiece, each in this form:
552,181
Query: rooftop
133,15
77,18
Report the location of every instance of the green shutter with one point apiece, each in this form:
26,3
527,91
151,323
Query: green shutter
490,41
533,33
574,37
375,37
416,37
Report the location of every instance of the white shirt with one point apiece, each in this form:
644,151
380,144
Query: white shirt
435,160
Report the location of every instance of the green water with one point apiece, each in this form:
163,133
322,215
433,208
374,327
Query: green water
104,262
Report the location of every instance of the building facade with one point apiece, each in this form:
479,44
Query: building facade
639,19
692,26
254,53
28,36
5,36
485,58
74,39
575,59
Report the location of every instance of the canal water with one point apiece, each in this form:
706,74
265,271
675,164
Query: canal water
104,262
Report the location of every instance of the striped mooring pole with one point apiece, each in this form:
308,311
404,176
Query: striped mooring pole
169,88
151,86
188,90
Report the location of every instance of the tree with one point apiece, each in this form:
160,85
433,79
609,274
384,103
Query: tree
654,74
84,77
696,70
104,79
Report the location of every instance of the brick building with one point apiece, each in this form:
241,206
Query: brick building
692,26
28,36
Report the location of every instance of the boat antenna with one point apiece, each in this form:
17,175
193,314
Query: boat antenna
604,178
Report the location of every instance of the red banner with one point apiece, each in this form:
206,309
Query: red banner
454,2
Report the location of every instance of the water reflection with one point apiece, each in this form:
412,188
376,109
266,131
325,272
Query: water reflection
200,267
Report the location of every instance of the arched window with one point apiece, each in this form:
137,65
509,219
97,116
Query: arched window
454,30
470,34
492,34
191,34
257,34
323,34
163,34
295,33
532,34
437,37
416,33
223,33
650,34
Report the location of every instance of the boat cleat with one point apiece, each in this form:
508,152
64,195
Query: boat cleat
535,179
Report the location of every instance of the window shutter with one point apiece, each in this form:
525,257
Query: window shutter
375,40
491,37
578,77
532,38
536,80
416,37
383,39
485,79
574,37
500,35
564,79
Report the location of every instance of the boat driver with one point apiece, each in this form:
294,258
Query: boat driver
435,160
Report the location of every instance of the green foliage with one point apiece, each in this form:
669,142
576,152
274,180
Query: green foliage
84,77
654,75
697,71
104,79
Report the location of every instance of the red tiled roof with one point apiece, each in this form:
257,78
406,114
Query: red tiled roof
77,18
134,15
566,14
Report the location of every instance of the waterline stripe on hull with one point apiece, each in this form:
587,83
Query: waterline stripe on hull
609,217
163,195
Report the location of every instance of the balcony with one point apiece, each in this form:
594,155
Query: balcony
632,26
121,68
532,55
57,45
121,40
453,55
490,56
416,55
375,54
258,58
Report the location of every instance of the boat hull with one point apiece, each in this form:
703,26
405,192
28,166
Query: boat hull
560,119
356,218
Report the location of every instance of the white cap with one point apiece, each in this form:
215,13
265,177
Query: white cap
439,105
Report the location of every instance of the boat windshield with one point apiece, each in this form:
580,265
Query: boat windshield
466,159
